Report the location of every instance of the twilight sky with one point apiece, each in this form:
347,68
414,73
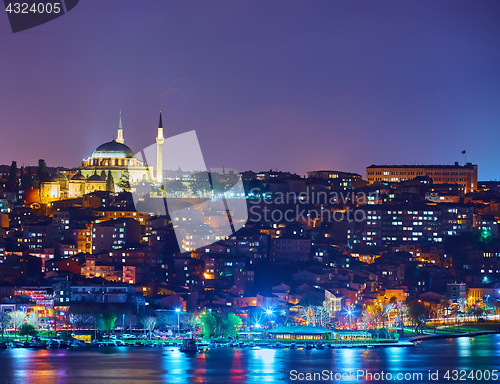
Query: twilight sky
292,85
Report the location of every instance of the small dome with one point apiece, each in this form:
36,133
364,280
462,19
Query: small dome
52,180
59,176
113,150
95,177
78,176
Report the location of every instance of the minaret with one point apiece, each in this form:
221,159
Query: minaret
159,152
119,139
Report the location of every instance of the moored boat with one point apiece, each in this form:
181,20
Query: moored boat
189,345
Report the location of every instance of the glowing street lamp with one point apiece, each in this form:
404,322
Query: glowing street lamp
349,315
269,312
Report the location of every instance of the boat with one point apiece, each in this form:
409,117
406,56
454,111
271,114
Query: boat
309,346
320,346
35,344
292,346
189,345
53,344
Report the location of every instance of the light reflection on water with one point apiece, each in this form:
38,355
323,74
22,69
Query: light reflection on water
230,365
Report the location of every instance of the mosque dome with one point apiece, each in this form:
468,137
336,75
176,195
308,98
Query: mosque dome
59,176
112,150
78,176
95,177
51,180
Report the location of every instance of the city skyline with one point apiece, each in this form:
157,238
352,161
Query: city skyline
343,87
249,191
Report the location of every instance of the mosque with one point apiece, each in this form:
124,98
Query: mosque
113,158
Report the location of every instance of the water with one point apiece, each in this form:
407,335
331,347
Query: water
232,365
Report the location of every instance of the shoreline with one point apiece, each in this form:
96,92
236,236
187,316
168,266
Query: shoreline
403,342
431,336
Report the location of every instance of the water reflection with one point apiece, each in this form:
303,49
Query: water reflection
231,365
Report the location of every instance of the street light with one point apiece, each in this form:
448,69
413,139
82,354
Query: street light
178,310
349,314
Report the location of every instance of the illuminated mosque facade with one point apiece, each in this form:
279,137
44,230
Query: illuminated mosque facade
113,158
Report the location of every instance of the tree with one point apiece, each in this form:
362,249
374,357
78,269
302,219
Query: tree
26,178
124,183
149,323
110,183
444,307
478,311
167,320
108,320
5,321
42,172
387,308
418,313
32,319
27,330
374,313
22,179
231,325
12,180
193,322
81,320
17,319
211,325
214,325
316,315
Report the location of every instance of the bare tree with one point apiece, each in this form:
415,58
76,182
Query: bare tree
316,315
149,323
387,308
5,321
193,322
81,320
17,319
32,319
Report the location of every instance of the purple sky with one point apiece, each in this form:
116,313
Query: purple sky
292,85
